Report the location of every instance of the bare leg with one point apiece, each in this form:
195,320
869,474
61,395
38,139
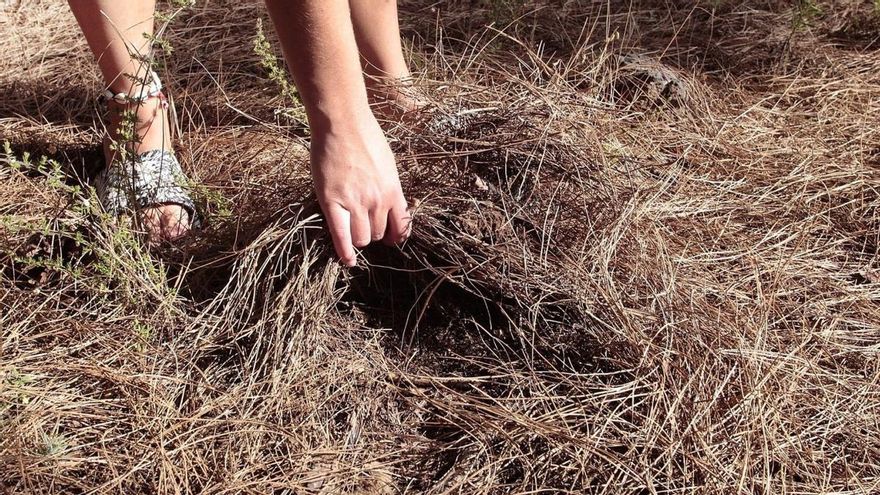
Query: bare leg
378,38
115,33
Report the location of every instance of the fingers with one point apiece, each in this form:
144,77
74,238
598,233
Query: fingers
378,222
351,229
361,233
338,222
399,224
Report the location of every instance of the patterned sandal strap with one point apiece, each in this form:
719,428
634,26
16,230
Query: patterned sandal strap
153,178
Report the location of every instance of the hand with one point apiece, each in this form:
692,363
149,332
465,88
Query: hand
357,186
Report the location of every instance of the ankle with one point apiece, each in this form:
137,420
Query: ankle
139,126
137,110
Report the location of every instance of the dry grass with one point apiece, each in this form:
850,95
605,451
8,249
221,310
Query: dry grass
612,287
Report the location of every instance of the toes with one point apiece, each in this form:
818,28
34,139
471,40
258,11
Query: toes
166,223
175,222
151,220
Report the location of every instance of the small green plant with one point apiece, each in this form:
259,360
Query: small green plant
119,265
19,382
127,136
44,166
505,11
806,11
42,251
219,205
164,19
53,444
278,75
143,332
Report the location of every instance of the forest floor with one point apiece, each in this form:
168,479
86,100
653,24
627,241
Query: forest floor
645,262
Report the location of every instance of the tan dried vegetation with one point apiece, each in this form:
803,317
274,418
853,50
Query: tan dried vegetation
646,263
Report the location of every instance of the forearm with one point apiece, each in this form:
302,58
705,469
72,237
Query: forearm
320,48
378,38
353,168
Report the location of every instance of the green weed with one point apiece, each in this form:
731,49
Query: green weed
277,74
806,11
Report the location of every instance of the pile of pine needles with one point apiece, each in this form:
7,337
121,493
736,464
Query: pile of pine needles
644,260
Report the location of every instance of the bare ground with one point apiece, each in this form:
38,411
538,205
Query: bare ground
647,263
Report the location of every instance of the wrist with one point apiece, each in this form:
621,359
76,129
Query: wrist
340,119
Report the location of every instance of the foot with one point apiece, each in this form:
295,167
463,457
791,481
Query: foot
162,222
396,99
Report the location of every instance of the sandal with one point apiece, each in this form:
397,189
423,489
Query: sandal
153,178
